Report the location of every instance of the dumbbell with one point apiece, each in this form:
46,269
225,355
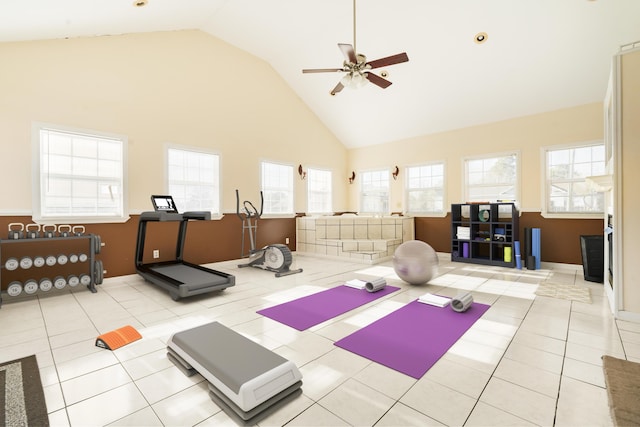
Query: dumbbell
59,282
39,261
12,264
73,280
45,284
26,262
97,244
14,289
48,232
32,231
16,230
85,279
30,286
98,269
64,230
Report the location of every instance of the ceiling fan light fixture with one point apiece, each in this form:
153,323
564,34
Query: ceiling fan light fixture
354,80
356,67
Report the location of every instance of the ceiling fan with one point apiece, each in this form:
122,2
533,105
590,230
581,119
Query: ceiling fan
357,68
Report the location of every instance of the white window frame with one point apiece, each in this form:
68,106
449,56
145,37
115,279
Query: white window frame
325,193
516,185
41,177
409,189
285,185
195,184
546,182
361,180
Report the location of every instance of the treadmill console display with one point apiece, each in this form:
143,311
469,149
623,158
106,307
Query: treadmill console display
164,204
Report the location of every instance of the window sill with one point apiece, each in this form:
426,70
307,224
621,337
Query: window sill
81,220
277,216
426,214
572,215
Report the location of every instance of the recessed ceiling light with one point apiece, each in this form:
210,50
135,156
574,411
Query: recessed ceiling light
480,38
140,3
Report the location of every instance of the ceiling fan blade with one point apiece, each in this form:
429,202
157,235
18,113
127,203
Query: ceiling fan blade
337,89
377,80
389,60
322,70
348,52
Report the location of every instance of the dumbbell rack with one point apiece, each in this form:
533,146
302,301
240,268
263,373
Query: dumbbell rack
46,265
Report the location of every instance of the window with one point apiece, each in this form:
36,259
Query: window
79,175
492,178
194,179
566,189
319,191
374,192
425,189
277,188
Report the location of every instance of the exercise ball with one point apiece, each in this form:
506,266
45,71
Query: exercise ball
415,262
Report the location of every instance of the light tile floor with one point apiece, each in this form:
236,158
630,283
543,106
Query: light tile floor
529,360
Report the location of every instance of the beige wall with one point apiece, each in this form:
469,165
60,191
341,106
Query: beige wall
190,88
525,134
630,174
183,87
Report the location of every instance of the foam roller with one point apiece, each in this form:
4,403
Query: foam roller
375,285
462,302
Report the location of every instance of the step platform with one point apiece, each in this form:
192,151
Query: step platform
243,376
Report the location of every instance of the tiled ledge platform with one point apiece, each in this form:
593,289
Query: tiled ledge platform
359,238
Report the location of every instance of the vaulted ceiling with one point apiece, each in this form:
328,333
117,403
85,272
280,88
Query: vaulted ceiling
539,55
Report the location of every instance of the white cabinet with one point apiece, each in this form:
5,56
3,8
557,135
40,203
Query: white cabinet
622,142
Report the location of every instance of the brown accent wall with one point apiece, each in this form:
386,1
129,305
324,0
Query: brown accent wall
560,237
220,240
434,231
207,241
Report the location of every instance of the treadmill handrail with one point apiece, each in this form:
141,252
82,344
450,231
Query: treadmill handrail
168,216
197,215
160,216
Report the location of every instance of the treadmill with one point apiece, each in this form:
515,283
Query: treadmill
181,278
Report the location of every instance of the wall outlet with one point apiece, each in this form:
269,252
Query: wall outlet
156,253
286,240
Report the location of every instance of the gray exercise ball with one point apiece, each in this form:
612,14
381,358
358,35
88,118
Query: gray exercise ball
415,262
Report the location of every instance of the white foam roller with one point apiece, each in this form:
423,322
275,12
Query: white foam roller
462,302
375,285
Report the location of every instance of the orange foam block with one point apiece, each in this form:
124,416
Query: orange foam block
117,338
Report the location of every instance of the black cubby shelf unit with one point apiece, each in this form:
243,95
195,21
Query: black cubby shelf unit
484,233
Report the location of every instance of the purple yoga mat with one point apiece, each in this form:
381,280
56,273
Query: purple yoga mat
412,338
311,310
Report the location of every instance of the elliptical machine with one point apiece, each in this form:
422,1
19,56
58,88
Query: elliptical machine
275,257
